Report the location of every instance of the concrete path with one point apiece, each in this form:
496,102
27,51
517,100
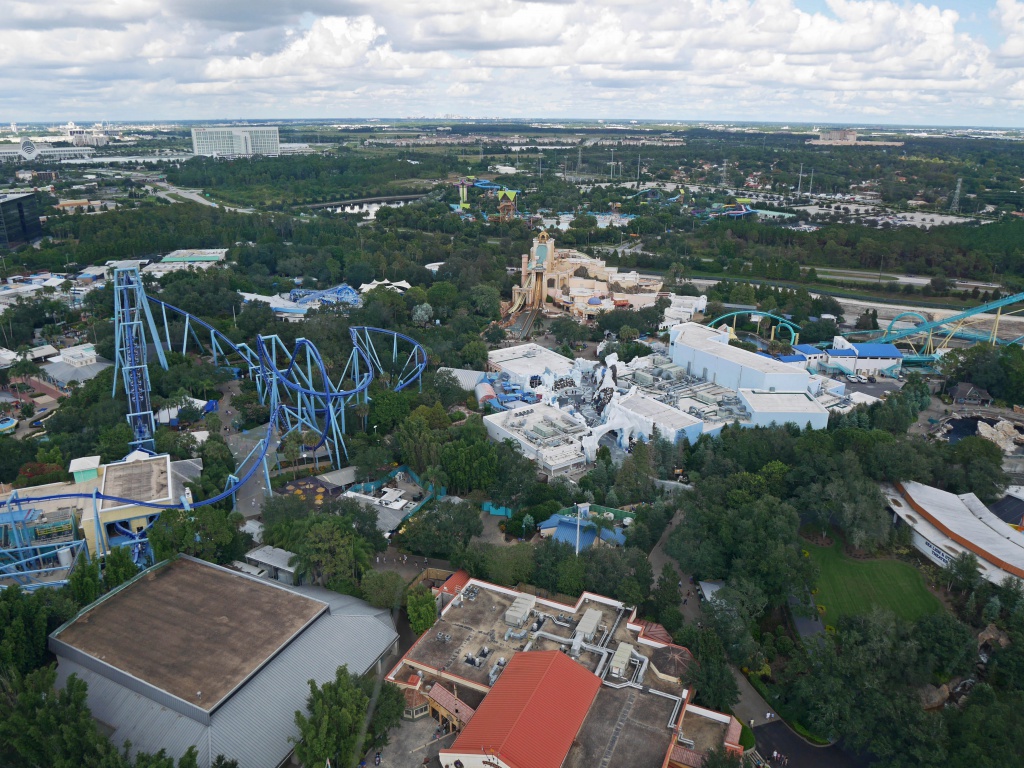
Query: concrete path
409,566
751,708
690,604
195,195
411,744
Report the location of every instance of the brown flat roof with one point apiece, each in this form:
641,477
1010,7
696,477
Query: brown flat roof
145,480
188,626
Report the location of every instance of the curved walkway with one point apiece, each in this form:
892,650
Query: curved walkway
771,733
778,736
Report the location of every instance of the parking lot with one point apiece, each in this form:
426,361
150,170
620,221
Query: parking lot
879,389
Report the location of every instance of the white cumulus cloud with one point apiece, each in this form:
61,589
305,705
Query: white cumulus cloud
729,59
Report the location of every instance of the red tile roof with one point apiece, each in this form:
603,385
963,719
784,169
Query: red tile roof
531,716
654,631
454,583
413,698
732,735
690,758
448,700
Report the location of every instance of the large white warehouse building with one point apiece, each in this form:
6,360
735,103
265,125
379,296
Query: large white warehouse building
705,353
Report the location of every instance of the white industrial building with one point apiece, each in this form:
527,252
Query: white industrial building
768,408
530,365
704,385
681,310
866,357
945,525
639,415
705,353
849,358
550,436
236,141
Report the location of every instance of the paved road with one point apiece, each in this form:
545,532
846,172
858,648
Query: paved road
195,195
751,707
778,736
878,389
658,558
250,497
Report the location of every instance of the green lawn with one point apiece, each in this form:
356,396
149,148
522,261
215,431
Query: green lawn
848,587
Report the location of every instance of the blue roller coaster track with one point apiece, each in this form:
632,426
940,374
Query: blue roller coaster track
295,384
955,326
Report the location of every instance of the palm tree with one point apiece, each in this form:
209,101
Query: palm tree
602,524
24,368
309,440
291,447
362,410
305,568
360,557
434,478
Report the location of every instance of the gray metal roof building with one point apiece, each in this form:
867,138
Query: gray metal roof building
62,373
214,658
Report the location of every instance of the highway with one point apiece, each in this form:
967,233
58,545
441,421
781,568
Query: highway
165,191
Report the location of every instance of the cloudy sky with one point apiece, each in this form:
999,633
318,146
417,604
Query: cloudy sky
958,62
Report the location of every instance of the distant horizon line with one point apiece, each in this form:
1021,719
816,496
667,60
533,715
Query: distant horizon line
523,120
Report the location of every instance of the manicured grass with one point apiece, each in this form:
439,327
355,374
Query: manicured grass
850,587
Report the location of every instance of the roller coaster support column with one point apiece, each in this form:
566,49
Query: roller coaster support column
132,315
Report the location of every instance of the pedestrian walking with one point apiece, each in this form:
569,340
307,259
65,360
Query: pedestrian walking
775,754
685,600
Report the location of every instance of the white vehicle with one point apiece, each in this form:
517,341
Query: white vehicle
862,379
851,378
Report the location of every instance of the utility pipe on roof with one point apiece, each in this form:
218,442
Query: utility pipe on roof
603,652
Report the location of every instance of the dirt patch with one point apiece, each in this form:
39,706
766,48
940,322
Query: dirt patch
818,539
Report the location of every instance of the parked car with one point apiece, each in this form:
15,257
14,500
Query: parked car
872,380
852,379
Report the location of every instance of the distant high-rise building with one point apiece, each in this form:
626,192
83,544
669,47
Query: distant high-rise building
235,142
19,220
